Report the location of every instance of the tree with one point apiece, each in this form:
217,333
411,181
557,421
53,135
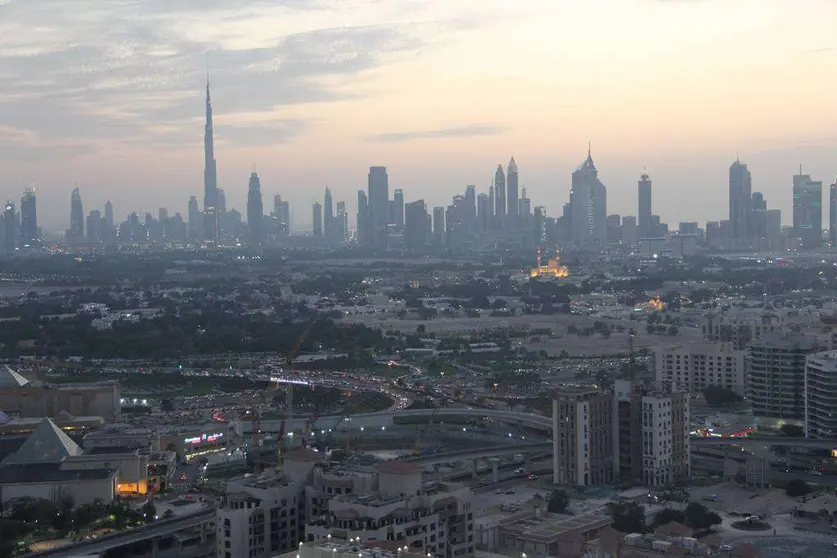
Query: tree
796,488
699,517
672,330
717,396
166,405
628,517
793,430
667,515
558,502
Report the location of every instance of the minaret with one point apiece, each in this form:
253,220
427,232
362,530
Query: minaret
210,178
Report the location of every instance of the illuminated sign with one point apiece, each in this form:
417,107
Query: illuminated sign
204,439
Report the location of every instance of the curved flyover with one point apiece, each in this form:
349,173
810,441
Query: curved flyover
384,419
103,544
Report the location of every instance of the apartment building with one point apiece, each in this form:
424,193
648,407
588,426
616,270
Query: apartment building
821,395
776,377
434,517
651,434
262,516
695,366
583,441
741,327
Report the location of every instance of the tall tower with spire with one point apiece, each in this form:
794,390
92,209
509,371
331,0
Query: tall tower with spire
210,177
512,191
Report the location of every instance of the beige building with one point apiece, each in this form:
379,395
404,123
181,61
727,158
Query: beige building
695,366
21,397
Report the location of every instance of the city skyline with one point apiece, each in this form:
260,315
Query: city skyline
342,77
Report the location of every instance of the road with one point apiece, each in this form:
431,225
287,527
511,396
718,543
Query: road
122,538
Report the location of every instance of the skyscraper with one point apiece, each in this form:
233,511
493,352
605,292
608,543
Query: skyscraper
317,211
109,214
500,195
341,223
378,188
9,228
328,216
29,236
398,208
832,213
740,200
94,226
588,205
195,225
282,213
255,211
512,191
76,232
483,213
644,211
210,177
415,225
364,221
470,208
807,210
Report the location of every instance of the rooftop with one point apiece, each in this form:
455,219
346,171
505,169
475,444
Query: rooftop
47,444
552,527
50,472
11,379
399,468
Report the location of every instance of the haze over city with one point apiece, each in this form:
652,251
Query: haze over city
109,95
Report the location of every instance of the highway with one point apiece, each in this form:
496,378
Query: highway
384,419
122,538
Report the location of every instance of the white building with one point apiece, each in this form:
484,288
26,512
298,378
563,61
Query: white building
665,438
821,395
265,515
429,518
696,366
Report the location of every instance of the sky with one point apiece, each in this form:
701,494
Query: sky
109,95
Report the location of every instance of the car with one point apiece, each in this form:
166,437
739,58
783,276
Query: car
734,514
510,491
725,547
815,473
752,518
499,491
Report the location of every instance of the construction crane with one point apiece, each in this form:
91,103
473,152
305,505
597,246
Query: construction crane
417,450
289,401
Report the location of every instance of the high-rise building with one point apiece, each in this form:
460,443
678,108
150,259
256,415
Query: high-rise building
696,366
500,195
416,233
644,211
651,434
76,232
582,430
109,215
255,211
491,205
328,216
210,176
820,395
740,200
630,230
364,219
776,375
614,229
9,228
398,216
342,223
29,235
483,213
378,200
588,205
94,226
317,213
282,213
807,210
512,191
832,213
438,227
195,224
470,205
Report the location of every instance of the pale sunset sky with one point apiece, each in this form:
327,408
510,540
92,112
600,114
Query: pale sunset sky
109,94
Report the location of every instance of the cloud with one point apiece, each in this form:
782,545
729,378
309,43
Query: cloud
470,130
111,69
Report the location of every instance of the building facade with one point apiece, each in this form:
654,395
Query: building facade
695,366
582,430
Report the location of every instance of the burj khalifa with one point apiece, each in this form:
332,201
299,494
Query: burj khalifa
210,177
